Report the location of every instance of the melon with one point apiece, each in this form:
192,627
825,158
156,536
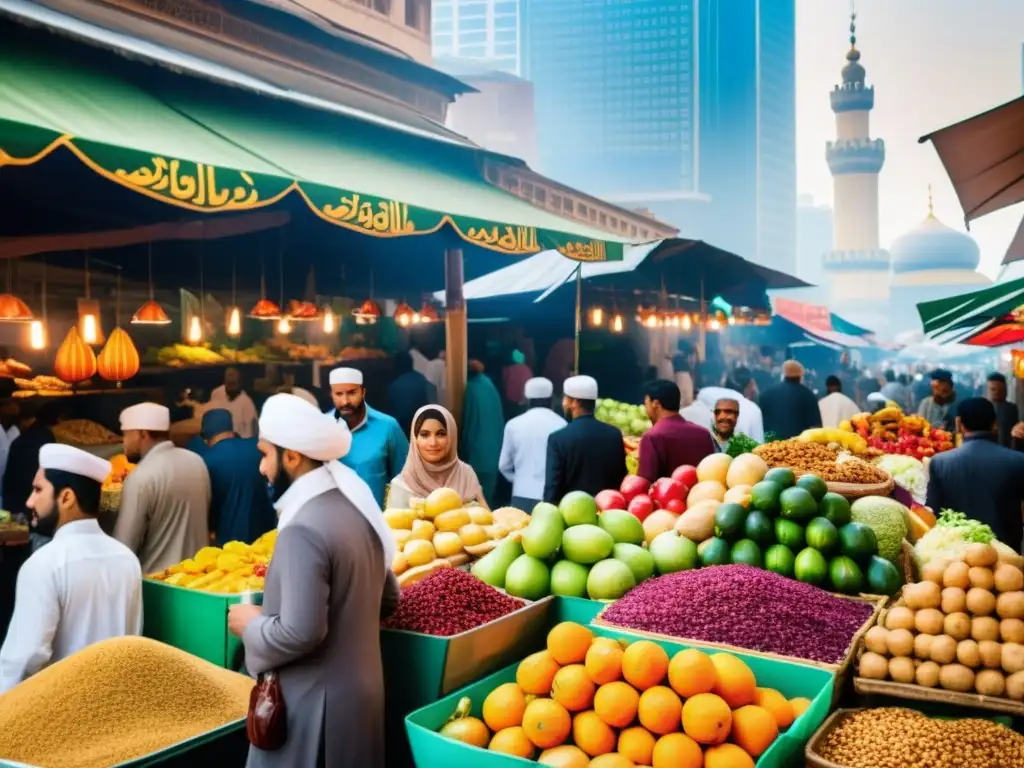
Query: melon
659,521
609,580
528,578
746,469
622,526
704,490
586,544
714,467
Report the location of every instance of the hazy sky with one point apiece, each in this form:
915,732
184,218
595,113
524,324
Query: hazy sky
932,62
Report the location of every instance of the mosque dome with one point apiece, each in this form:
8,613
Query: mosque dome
932,245
853,72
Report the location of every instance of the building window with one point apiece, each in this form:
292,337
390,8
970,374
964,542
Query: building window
469,38
469,10
473,24
506,6
417,14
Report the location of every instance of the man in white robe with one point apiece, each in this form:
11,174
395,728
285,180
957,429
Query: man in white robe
84,586
233,398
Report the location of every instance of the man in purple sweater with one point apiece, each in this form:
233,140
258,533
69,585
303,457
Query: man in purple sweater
672,441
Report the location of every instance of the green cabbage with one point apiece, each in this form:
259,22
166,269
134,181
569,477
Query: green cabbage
887,518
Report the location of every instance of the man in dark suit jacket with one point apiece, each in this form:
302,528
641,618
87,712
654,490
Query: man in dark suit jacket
981,478
789,407
587,455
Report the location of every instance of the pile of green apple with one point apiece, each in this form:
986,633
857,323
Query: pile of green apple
631,419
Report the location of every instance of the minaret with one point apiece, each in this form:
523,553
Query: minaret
858,268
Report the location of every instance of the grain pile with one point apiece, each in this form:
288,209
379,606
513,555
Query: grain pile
827,463
115,701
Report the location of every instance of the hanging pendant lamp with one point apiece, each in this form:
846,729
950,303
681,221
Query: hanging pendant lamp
37,330
195,324
13,309
405,315
264,309
150,313
233,319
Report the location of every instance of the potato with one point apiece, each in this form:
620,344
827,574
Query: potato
1010,605
967,654
956,677
982,578
984,628
933,571
943,649
957,626
902,669
1008,578
1011,630
928,621
927,674
990,682
900,642
923,646
954,600
873,666
1013,658
924,594
956,575
980,602
991,654
899,617
981,555
875,640
1015,686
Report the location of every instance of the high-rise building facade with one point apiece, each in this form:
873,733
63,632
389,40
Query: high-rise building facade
684,107
484,31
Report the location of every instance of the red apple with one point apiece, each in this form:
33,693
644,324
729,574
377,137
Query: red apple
678,506
685,474
632,486
665,489
610,500
640,506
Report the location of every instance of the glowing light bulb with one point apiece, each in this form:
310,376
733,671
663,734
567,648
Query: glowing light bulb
195,330
404,319
617,324
284,326
651,321
37,336
732,320
715,325
416,318
328,321
596,316
90,333
686,322
235,322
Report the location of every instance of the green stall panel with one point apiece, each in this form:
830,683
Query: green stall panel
193,621
431,750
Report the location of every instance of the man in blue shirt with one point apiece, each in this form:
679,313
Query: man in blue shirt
240,508
379,448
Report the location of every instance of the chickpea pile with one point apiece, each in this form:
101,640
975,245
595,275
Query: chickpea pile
902,738
821,460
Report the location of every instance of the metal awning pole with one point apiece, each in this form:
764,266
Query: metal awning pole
579,317
456,332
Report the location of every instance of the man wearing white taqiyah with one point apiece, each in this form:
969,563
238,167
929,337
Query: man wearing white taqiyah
83,587
165,502
328,586
524,448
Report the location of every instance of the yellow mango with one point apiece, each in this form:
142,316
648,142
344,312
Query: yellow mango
447,543
419,552
401,537
229,562
452,520
497,531
472,534
237,548
399,565
423,529
208,555
480,516
401,519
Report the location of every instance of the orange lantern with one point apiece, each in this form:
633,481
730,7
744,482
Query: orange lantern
118,360
1018,363
75,360
428,314
405,315
367,313
265,309
150,313
13,309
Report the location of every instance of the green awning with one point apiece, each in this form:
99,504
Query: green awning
957,317
211,149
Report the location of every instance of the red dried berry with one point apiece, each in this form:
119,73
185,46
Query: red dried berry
449,602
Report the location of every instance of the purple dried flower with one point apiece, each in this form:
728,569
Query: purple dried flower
746,607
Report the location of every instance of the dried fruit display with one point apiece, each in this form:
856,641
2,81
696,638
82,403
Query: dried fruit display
237,567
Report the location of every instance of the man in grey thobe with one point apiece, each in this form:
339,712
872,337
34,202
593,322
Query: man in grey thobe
165,502
327,588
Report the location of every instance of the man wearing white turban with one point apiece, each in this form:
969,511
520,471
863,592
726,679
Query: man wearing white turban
328,586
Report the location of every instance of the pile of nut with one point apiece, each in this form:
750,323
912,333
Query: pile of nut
821,460
902,738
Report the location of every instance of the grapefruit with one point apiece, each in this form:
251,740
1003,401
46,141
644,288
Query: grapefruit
578,508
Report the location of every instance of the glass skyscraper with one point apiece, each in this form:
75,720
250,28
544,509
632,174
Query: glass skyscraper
485,31
684,107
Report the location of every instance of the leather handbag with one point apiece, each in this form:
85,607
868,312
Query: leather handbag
267,722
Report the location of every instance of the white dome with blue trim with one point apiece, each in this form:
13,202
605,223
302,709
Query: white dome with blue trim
932,245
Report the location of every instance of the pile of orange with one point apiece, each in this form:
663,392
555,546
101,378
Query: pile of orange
593,701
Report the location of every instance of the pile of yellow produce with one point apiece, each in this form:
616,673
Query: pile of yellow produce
439,531
839,439
237,567
120,468
960,628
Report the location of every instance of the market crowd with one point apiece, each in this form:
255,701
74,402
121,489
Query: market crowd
322,479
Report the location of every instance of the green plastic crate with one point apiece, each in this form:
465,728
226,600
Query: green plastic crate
431,750
193,621
227,745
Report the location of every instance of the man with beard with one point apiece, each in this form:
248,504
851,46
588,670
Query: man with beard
231,396
939,409
81,588
328,586
165,502
586,455
239,508
726,413
23,461
672,441
378,446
